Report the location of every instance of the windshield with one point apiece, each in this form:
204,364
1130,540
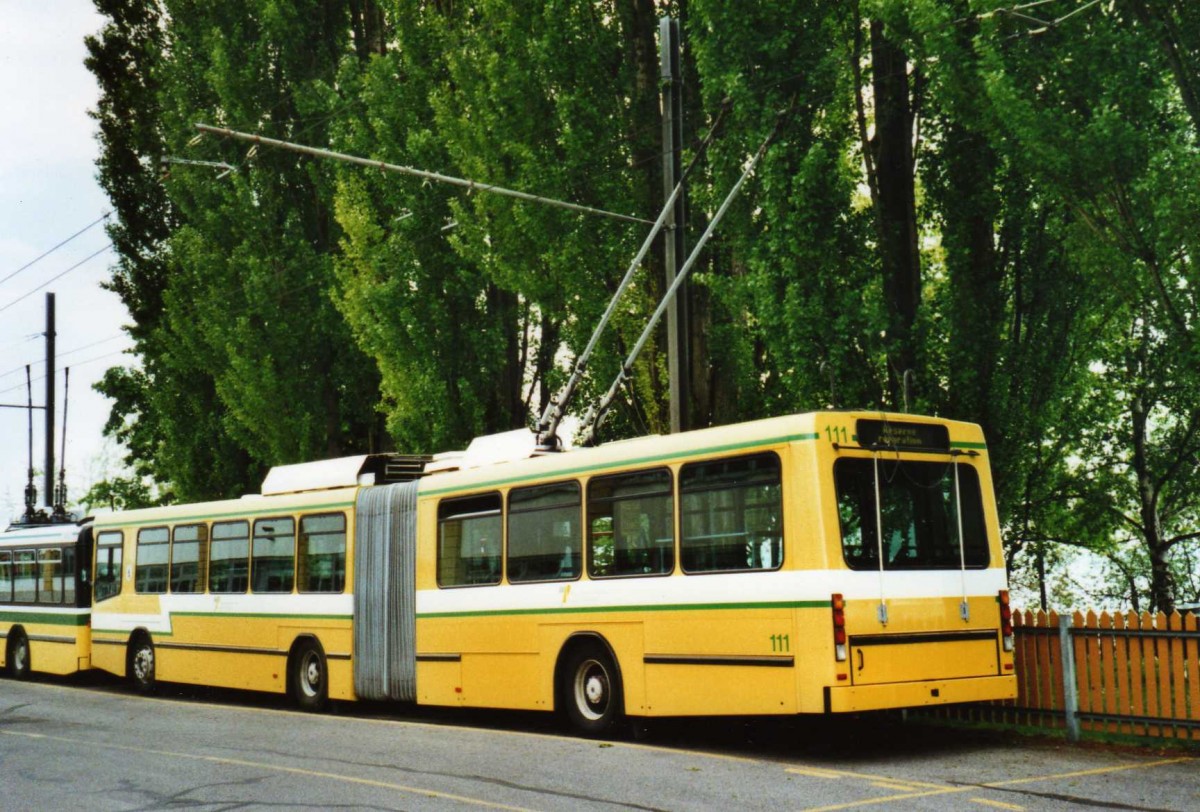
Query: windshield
918,514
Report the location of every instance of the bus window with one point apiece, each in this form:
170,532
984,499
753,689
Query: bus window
322,557
918,512
68,557
631,524
24,576
50,576
153,550
6,577
544,539
188,554
229,557
469,540
731,514
274,564
107,579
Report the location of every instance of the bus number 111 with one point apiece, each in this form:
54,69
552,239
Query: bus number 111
780,642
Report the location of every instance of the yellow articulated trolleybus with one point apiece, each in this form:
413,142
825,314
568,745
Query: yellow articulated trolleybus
822,563
44,598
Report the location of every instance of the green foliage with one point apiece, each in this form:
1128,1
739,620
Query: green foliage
1024,250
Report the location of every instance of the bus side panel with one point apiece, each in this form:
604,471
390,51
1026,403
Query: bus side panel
108,653
54,657
257,672
721,662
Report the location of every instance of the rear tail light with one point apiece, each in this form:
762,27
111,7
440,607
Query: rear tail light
1006,625
839,627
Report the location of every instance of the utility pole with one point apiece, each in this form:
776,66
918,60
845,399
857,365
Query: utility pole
675,248
48,492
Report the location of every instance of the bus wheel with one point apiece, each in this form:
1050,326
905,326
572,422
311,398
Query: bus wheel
309,687
591,690
141,665
18,656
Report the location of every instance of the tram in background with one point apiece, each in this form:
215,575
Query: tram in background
45,600
819,563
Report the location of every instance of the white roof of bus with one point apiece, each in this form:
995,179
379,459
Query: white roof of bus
39,534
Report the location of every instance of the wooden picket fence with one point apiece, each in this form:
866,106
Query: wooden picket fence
1128,674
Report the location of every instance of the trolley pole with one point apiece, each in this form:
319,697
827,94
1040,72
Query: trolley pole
48,492
675,248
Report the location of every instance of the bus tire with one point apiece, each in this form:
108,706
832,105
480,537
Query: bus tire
309,677
19,665
141,664
591,690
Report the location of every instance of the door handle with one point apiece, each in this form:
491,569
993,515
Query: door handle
861,661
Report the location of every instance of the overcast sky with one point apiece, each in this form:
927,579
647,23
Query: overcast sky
48,192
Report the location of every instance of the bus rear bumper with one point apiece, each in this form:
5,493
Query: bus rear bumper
853,698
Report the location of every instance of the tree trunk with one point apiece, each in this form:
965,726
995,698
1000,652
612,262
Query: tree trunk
895,205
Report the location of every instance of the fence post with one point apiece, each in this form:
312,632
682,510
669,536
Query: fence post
1070,689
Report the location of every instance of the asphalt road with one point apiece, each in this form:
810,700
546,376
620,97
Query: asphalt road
95,746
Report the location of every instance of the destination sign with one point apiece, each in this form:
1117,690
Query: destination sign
876,433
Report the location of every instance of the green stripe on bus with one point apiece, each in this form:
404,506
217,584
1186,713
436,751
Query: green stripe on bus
980,446
592,610
33,616
583,469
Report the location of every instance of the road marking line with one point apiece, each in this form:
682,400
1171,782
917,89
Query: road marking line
813,772
997,804
349,779
996,784
902,784
1098,771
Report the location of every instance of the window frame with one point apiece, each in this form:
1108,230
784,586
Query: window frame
498,576
508,535
201,561
139,567
42,556
589,545
256,559
6,564
975,489
117,560
215,543
302,576
683,492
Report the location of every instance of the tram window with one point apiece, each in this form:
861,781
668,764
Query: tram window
274,565
153,554
322,557
918,512
6,577
229,557
631,524
188,554
68,558
544,539
24,576
107,580
469,540
731,514
50,576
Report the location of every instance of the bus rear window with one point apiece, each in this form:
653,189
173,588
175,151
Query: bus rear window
918,513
